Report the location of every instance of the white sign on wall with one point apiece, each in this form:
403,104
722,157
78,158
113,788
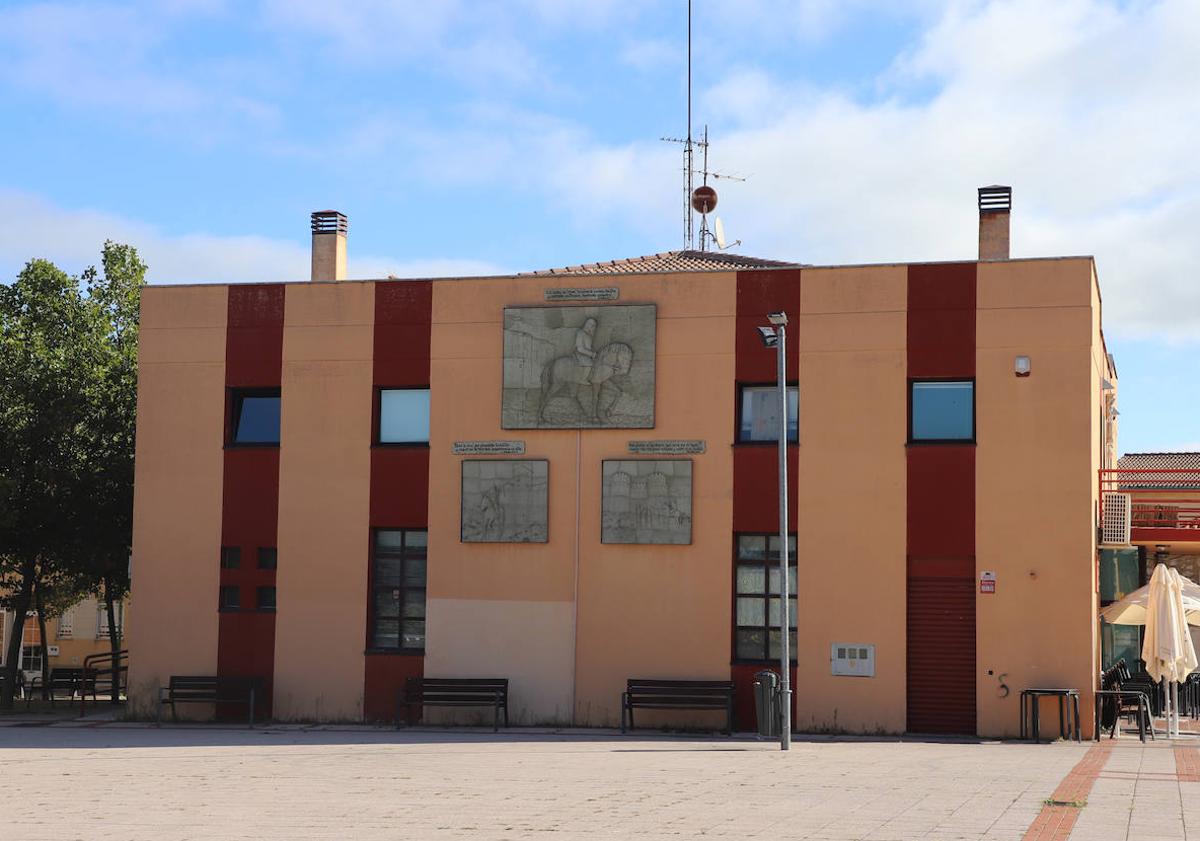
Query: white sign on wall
852,659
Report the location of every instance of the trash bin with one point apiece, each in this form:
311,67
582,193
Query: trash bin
766,703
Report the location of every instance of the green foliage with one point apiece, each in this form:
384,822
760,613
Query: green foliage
68,401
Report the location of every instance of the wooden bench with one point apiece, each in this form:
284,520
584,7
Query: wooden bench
63,681
209,689
677,695
455,692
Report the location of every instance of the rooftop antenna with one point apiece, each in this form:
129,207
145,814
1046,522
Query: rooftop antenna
702,199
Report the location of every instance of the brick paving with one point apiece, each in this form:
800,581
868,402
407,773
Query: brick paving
116,781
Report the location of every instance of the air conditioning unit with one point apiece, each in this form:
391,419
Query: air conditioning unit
1114,529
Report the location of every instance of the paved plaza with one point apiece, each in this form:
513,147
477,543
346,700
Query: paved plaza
118,781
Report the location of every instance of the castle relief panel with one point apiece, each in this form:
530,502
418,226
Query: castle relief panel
505,501
646,501
577,367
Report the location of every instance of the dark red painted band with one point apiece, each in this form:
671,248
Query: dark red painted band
399,475
250,496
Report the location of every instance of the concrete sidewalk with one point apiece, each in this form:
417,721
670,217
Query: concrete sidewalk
135,782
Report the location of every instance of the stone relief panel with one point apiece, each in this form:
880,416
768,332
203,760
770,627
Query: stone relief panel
646,501
505,501
579,367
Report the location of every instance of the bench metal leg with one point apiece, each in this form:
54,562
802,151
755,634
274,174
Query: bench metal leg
251,708
496,718
624,705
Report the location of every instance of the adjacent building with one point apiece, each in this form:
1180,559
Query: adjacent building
568,478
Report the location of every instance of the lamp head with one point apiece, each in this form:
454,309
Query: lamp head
768,336
777,318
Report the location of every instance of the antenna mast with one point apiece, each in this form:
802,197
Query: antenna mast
689,242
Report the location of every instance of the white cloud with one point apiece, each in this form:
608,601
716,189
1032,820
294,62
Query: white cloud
1087,108
72,239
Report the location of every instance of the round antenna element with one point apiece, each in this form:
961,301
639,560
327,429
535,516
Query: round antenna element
704,199
719,227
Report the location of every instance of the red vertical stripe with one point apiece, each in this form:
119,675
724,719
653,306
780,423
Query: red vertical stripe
399,475
755,466
941,513
250,502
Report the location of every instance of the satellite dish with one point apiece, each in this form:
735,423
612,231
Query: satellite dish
704,199
719,226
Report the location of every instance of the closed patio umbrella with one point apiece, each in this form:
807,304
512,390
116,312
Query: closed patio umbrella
1167,647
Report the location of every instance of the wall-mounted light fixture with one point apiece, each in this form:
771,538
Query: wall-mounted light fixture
1022,366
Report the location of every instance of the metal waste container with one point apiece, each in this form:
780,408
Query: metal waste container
766,703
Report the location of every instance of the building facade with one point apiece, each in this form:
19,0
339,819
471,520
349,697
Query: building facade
569,479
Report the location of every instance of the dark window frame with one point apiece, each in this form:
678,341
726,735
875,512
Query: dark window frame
377,416
258,598
403,555
274,563
234,399
938,442
222,591
231,557
737,415
767,627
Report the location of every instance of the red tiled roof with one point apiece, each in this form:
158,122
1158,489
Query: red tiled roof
670,261
1159,461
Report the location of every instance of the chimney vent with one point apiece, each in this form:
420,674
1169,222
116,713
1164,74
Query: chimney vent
329,245
995,206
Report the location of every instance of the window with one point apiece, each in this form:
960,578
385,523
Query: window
942,410
230,598
31,658
102,619
398,590
759,417
757,602
255,416
65,625
264,598
404,416
231,557
268,558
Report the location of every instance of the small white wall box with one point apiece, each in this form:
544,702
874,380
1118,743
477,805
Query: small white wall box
852,659
52,650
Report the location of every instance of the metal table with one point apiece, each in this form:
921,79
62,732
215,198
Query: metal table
1030,709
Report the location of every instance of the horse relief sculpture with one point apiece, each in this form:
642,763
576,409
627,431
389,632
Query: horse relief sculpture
644,501
579,367
505,501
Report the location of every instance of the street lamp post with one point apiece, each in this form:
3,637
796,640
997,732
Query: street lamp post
776,336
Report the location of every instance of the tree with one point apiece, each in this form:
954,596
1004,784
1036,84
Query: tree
68,382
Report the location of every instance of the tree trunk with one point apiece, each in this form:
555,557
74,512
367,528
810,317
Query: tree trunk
13,656
41,620
114,640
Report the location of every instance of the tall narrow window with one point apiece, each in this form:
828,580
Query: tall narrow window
268,557
759,413
757,601
102,629
255,418
403,416
66,627
942,410
398,590
230,598
231,557
264,598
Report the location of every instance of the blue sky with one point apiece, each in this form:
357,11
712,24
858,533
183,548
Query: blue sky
476,137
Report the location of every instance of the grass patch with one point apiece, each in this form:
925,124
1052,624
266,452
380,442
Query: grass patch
1074,804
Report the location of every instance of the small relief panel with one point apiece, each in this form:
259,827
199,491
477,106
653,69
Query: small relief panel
505,501
646,501
579,367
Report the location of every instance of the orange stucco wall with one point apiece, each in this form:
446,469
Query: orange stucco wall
324,499
177,494
852,474
1035,478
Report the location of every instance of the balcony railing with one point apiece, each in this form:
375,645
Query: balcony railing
1165,504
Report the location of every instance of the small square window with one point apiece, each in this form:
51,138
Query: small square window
404,416
268,558
255,416
943,411
265,598
231,598
231,557
760,413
